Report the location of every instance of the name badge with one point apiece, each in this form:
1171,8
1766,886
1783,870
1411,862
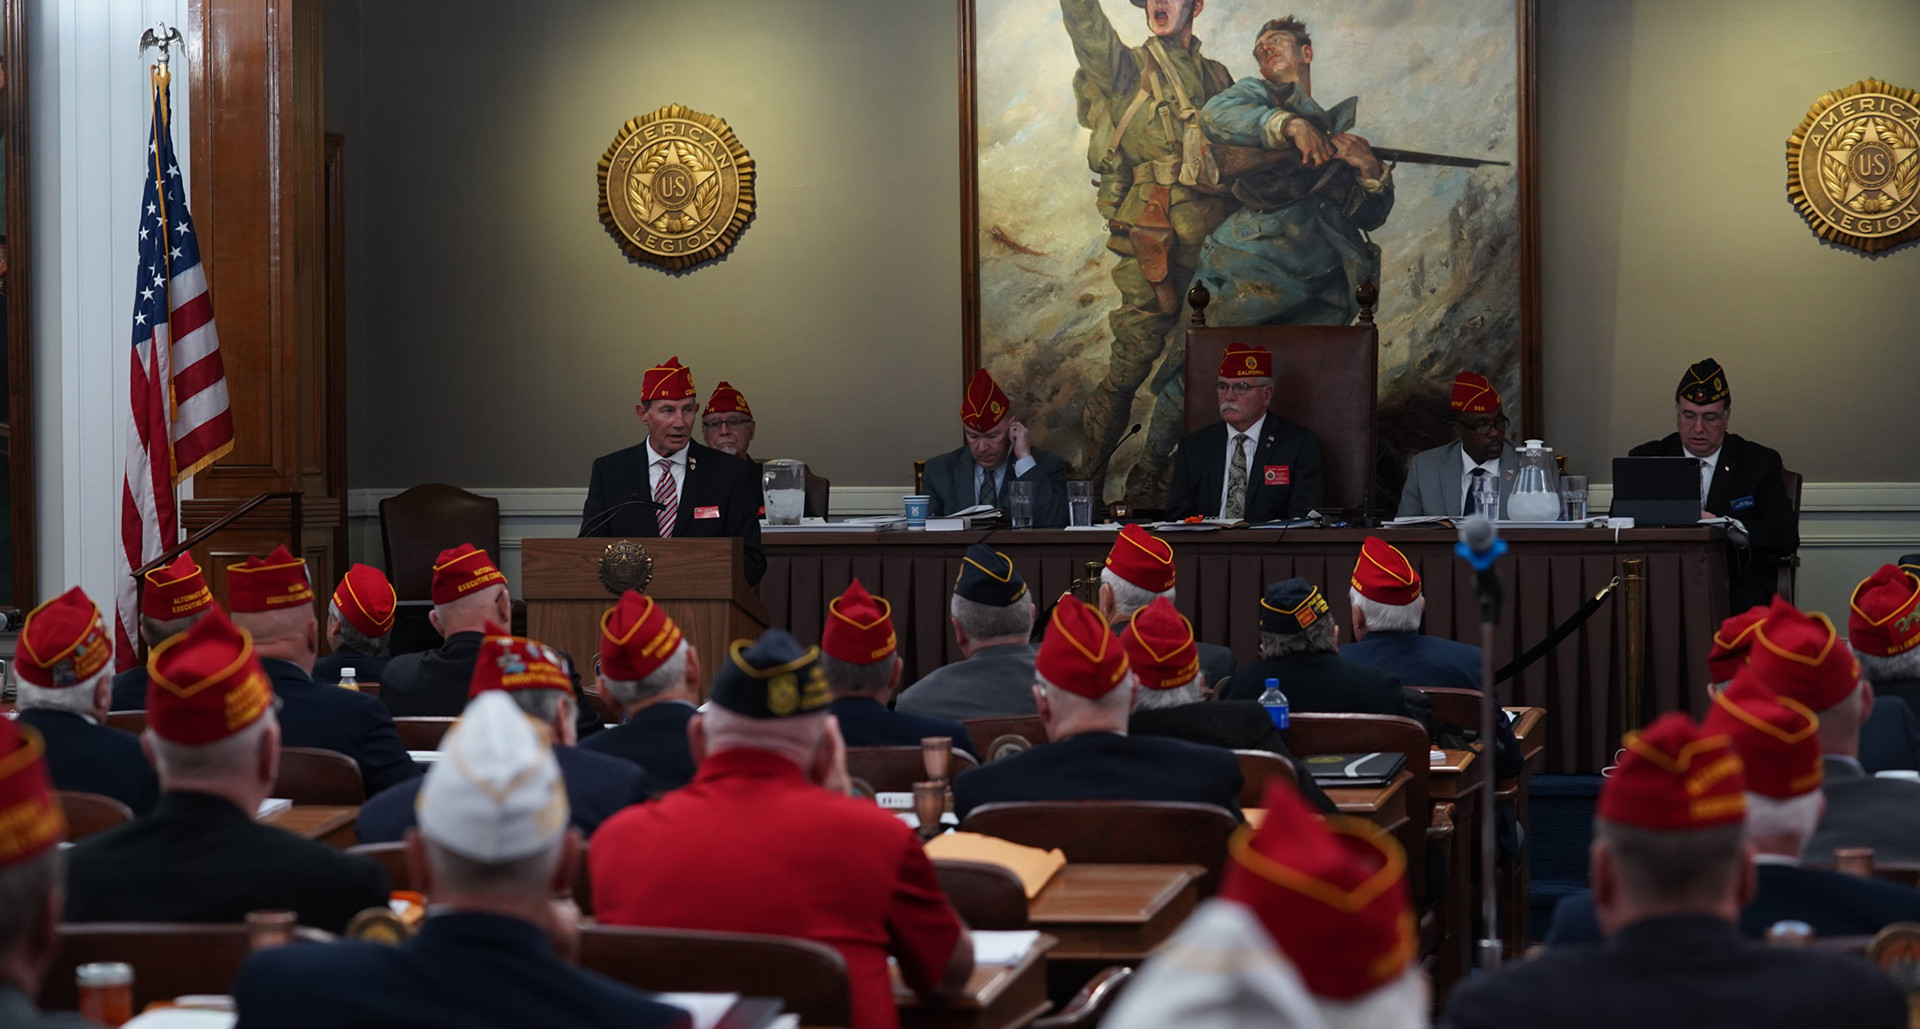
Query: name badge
1278,475
1742,503
706,512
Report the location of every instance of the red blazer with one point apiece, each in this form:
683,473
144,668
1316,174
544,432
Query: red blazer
751,846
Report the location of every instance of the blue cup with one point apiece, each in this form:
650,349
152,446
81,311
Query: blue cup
917,511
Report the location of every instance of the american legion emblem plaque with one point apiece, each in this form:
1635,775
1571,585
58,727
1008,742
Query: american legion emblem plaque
1853,166
676,188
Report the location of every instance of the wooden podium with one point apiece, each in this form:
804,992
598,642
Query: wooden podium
700,582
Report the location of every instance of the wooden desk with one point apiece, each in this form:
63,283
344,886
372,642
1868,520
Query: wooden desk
1516,871
1384,806
334,826
1459,780
1549,573
997,996
1114,913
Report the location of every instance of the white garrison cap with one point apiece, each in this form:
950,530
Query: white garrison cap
496,794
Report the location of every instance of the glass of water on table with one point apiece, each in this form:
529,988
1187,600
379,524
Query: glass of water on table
1079,502
1573,491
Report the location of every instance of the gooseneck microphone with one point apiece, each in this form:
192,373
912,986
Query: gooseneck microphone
1131,433
606,516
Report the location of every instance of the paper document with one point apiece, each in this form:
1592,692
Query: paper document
991,947
706,1009
272,806
1033,865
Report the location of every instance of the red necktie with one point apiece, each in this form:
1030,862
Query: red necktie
667,497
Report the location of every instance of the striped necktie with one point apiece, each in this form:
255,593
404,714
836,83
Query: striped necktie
667,497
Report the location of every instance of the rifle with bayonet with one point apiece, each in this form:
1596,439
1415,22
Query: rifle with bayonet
1234,161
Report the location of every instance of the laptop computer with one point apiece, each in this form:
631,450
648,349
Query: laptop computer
1657,491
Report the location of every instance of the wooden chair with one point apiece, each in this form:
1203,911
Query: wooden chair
1257,769
986,730
134,722
896,769
392,857
170,959
809,978
309,775
987,896
89,813
1790,565
1346,733
1136,832
1091,1004
422,732
415,526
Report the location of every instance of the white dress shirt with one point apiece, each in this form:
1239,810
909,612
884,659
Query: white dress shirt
679,467
1467,466
1020,467
1226,470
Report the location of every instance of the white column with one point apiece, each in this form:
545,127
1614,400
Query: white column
88,84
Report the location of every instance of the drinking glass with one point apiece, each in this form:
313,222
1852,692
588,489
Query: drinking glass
1486,498
1079,502
783,484
1573,490
1020,504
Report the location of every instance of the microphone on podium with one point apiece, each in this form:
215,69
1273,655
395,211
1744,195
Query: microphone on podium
607,515
1131,433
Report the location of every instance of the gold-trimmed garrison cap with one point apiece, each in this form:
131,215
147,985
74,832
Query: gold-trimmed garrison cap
988,577
31,822
771,677
1704,383
1290,605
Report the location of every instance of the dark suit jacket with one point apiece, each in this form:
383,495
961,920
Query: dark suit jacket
865,722
129,690
1832,903
1200,472
330,718
434,683
1321,683
465,970
95,759
656,740
597,786
1746,485
1889,738
198,858
1679,972
949,482
1233,725
1105,766
18,1012
996,682
1906,691
1866,812
366,667
714,479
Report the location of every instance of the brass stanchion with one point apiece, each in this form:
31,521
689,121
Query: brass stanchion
1634,609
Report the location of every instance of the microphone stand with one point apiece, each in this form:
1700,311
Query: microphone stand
1487,588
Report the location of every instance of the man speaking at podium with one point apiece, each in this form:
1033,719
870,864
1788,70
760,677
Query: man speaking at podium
668,485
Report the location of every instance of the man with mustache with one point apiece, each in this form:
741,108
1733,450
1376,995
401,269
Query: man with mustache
1250,465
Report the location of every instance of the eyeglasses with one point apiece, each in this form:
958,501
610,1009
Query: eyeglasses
1238,389
727,423
1485,428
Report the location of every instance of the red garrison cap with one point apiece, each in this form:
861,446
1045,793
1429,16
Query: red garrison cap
1080,654
668,381
726,400
272,583
1384,575
1733,642
204,685
30,819
176,591
1143,559
636,638
859,627
1473,394
1882,620
985,405
64,642
516,663
463,570
1799,655
1776,737
1673,776
1160,646
366,600
1245,362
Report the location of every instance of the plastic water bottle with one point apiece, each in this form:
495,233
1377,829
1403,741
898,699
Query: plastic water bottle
1276,704
348,680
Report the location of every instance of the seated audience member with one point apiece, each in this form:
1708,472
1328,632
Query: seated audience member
1670,875
532,676
29,880
726,425
1387,604
1739,479
1313,929
1776,738
491,853
992,616
1138,569
1883,627
359,623
995,455
199,856
1799,656
653,672
1085,691
1732,645
754,844
1172,699
1250,465
1300,647
64,662
857,651
1440,481
272,601
174,596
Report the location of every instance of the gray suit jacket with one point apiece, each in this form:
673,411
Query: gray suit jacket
994,683
949,482
1866,812
1433,485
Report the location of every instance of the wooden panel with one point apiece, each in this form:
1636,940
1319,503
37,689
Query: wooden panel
17,420
562,569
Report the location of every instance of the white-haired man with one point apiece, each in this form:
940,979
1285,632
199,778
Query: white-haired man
491,853
650,669
199,856
1250,465
64,662
992,615
359,625
754,844
1138,570
1084,689
1300,649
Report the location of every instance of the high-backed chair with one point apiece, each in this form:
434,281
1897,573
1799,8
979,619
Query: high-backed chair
896,769
1324,378
415,526
310,775
89,813
809,978
987,896
1126,832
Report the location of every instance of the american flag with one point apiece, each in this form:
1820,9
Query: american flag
179,421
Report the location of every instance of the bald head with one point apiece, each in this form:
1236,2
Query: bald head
472,612
290,634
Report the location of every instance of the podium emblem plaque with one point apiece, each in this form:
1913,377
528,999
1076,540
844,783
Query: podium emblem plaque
625,565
